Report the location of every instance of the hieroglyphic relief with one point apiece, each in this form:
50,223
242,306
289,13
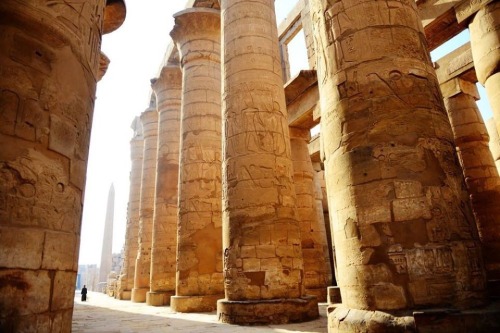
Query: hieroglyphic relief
199,250
383,122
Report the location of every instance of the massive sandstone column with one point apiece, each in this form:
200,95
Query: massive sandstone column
480,172
126,280
199,249
263,265
49,63
149,119
494,143
163,256
312,227
485,44
404,233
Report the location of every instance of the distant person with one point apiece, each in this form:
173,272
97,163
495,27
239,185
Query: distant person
84,293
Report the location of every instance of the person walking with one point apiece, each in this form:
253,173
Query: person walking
84,293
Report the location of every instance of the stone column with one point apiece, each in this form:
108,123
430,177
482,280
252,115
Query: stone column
149,120
163,257
49,63
494,143
263,264
403,230
485,44
480,172
312,227
126,280
199,249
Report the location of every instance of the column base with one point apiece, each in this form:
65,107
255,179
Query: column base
124,295
159,298
207,303
139,295
264,312
342,319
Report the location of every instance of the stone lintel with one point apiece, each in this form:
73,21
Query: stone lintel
458,63
114,15
187,304
302,96
458,86
467,8
314,148
266,312
286,30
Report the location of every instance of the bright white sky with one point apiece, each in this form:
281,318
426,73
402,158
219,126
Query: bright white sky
136,51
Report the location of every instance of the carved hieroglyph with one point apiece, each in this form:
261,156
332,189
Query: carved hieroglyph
45,120
163,256
262,243
126,279
494,143
199,254
312,225
404,232
480,172
485,43
149,119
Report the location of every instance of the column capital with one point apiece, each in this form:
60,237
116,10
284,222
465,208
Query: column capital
193,22
149,116
170,78
457,86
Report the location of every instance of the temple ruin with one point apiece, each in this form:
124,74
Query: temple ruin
391,214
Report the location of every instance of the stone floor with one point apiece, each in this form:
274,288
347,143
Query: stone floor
103,314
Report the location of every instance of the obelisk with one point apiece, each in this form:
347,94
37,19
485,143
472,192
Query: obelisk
107,240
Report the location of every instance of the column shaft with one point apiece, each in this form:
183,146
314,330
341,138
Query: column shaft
126,279
312,228
494,143
262,243
480,172
149,119
199,250
404,232
163,257
485,44
49,61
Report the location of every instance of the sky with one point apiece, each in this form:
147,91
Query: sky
136,51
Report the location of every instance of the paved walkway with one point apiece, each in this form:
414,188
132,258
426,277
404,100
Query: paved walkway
103,314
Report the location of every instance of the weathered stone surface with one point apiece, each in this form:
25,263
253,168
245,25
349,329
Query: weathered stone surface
199,250
485,43
388,150
259,202
126,280
149,119
168,89
268,312
312,227
480,172
48,72
494,143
